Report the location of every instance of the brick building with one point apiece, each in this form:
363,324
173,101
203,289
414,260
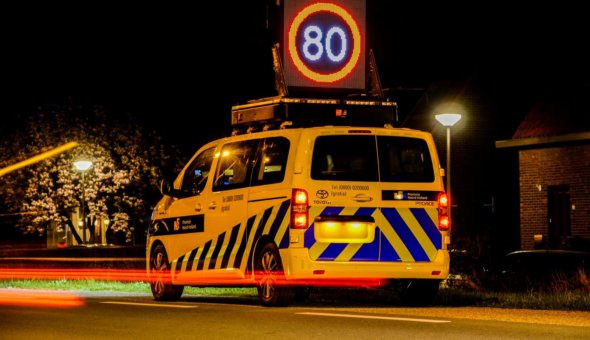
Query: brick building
553,147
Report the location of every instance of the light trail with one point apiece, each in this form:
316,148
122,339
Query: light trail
38,158
39,298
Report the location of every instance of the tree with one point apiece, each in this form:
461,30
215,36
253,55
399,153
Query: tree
121,186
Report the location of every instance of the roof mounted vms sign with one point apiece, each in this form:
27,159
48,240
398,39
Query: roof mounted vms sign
324,44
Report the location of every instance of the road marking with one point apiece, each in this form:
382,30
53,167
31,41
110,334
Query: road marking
375,317
147,304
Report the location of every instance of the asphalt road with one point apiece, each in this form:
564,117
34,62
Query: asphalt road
104,315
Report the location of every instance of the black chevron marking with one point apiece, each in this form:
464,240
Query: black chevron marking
201,263
218,246
179,264
231,244
191,259
243,243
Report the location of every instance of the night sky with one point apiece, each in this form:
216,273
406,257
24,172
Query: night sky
172,64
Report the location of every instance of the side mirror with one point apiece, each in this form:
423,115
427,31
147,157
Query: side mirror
167,189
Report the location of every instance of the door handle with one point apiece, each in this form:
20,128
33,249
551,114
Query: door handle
362,198
198,207
212,206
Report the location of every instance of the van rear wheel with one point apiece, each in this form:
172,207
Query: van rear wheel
270,278
162,288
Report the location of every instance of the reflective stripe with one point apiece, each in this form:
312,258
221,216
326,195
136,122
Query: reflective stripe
401,235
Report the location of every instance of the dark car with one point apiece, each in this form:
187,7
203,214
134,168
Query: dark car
530,269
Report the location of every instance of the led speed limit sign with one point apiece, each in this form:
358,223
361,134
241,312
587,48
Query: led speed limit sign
324,44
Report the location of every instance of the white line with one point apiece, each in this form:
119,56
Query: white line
375,317
147,304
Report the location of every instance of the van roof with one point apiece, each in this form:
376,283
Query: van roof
282,112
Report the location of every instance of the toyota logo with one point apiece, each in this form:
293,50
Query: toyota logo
322,194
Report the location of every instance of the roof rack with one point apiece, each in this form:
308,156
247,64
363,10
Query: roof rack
281,112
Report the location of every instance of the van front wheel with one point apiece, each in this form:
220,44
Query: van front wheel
270,278
160,277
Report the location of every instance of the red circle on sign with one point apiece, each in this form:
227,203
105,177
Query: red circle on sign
296,58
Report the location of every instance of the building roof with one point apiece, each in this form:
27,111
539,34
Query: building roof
553,117
556,119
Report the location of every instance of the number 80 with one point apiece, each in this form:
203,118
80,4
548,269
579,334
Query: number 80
313,37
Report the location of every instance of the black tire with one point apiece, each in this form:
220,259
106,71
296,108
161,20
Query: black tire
162,289
419,292
270,279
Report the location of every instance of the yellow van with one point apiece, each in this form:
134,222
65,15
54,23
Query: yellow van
296,207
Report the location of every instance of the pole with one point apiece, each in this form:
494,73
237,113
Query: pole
83,208
449,170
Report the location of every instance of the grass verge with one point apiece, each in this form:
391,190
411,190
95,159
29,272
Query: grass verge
116,286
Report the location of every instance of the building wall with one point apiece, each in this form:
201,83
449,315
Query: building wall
539,168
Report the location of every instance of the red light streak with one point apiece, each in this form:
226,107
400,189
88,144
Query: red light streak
39,298
127,275
130,275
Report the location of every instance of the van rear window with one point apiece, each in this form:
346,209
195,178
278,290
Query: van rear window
403,159
354,158
345,158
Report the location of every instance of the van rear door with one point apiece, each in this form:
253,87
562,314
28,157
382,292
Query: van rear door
409,192
344,197
369,208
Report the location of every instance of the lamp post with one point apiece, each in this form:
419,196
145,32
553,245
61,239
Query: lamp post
83,166
448,120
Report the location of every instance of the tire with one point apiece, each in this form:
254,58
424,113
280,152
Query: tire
270,279
162,289
419,292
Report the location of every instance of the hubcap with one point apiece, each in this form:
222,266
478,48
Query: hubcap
268,278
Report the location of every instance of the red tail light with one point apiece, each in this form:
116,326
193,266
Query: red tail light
299,209
444,220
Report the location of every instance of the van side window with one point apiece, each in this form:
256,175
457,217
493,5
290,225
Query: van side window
404,159
272,161
196,174
345,158
234,167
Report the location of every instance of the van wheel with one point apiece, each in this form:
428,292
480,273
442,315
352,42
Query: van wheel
419,292
160,277
270,279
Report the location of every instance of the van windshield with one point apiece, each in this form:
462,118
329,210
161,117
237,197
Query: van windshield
354,158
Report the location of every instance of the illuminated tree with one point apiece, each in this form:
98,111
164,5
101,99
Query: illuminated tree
121,186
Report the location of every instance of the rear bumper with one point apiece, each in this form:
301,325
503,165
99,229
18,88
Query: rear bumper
299,266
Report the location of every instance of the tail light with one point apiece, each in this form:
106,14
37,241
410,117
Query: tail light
444,220
299,209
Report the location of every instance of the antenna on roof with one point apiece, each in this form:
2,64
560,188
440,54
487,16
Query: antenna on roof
375,81
280,84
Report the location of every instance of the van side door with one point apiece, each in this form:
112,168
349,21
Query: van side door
183,220
227,207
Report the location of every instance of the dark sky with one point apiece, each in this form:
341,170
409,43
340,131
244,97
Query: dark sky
176,63
180,68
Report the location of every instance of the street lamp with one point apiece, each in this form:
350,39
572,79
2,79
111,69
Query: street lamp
83,166
448,120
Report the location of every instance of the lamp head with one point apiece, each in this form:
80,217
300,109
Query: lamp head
448,119
82,165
